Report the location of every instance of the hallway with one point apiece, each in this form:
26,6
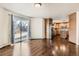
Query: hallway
56,47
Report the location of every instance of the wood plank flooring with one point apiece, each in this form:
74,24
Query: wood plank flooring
46,47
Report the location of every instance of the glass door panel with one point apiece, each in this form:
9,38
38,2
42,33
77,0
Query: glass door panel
20,36
16,36
25,36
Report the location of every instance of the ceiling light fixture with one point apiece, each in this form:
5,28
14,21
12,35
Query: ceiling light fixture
37,5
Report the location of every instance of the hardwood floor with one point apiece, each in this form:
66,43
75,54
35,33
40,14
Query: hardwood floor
6,51
56,47
62,47
39,46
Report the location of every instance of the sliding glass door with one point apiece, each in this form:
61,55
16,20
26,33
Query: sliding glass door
20,34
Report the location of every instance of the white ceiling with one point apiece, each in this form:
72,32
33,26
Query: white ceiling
54,10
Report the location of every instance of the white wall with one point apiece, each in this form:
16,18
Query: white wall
72,28
37,28
77,28
4,28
